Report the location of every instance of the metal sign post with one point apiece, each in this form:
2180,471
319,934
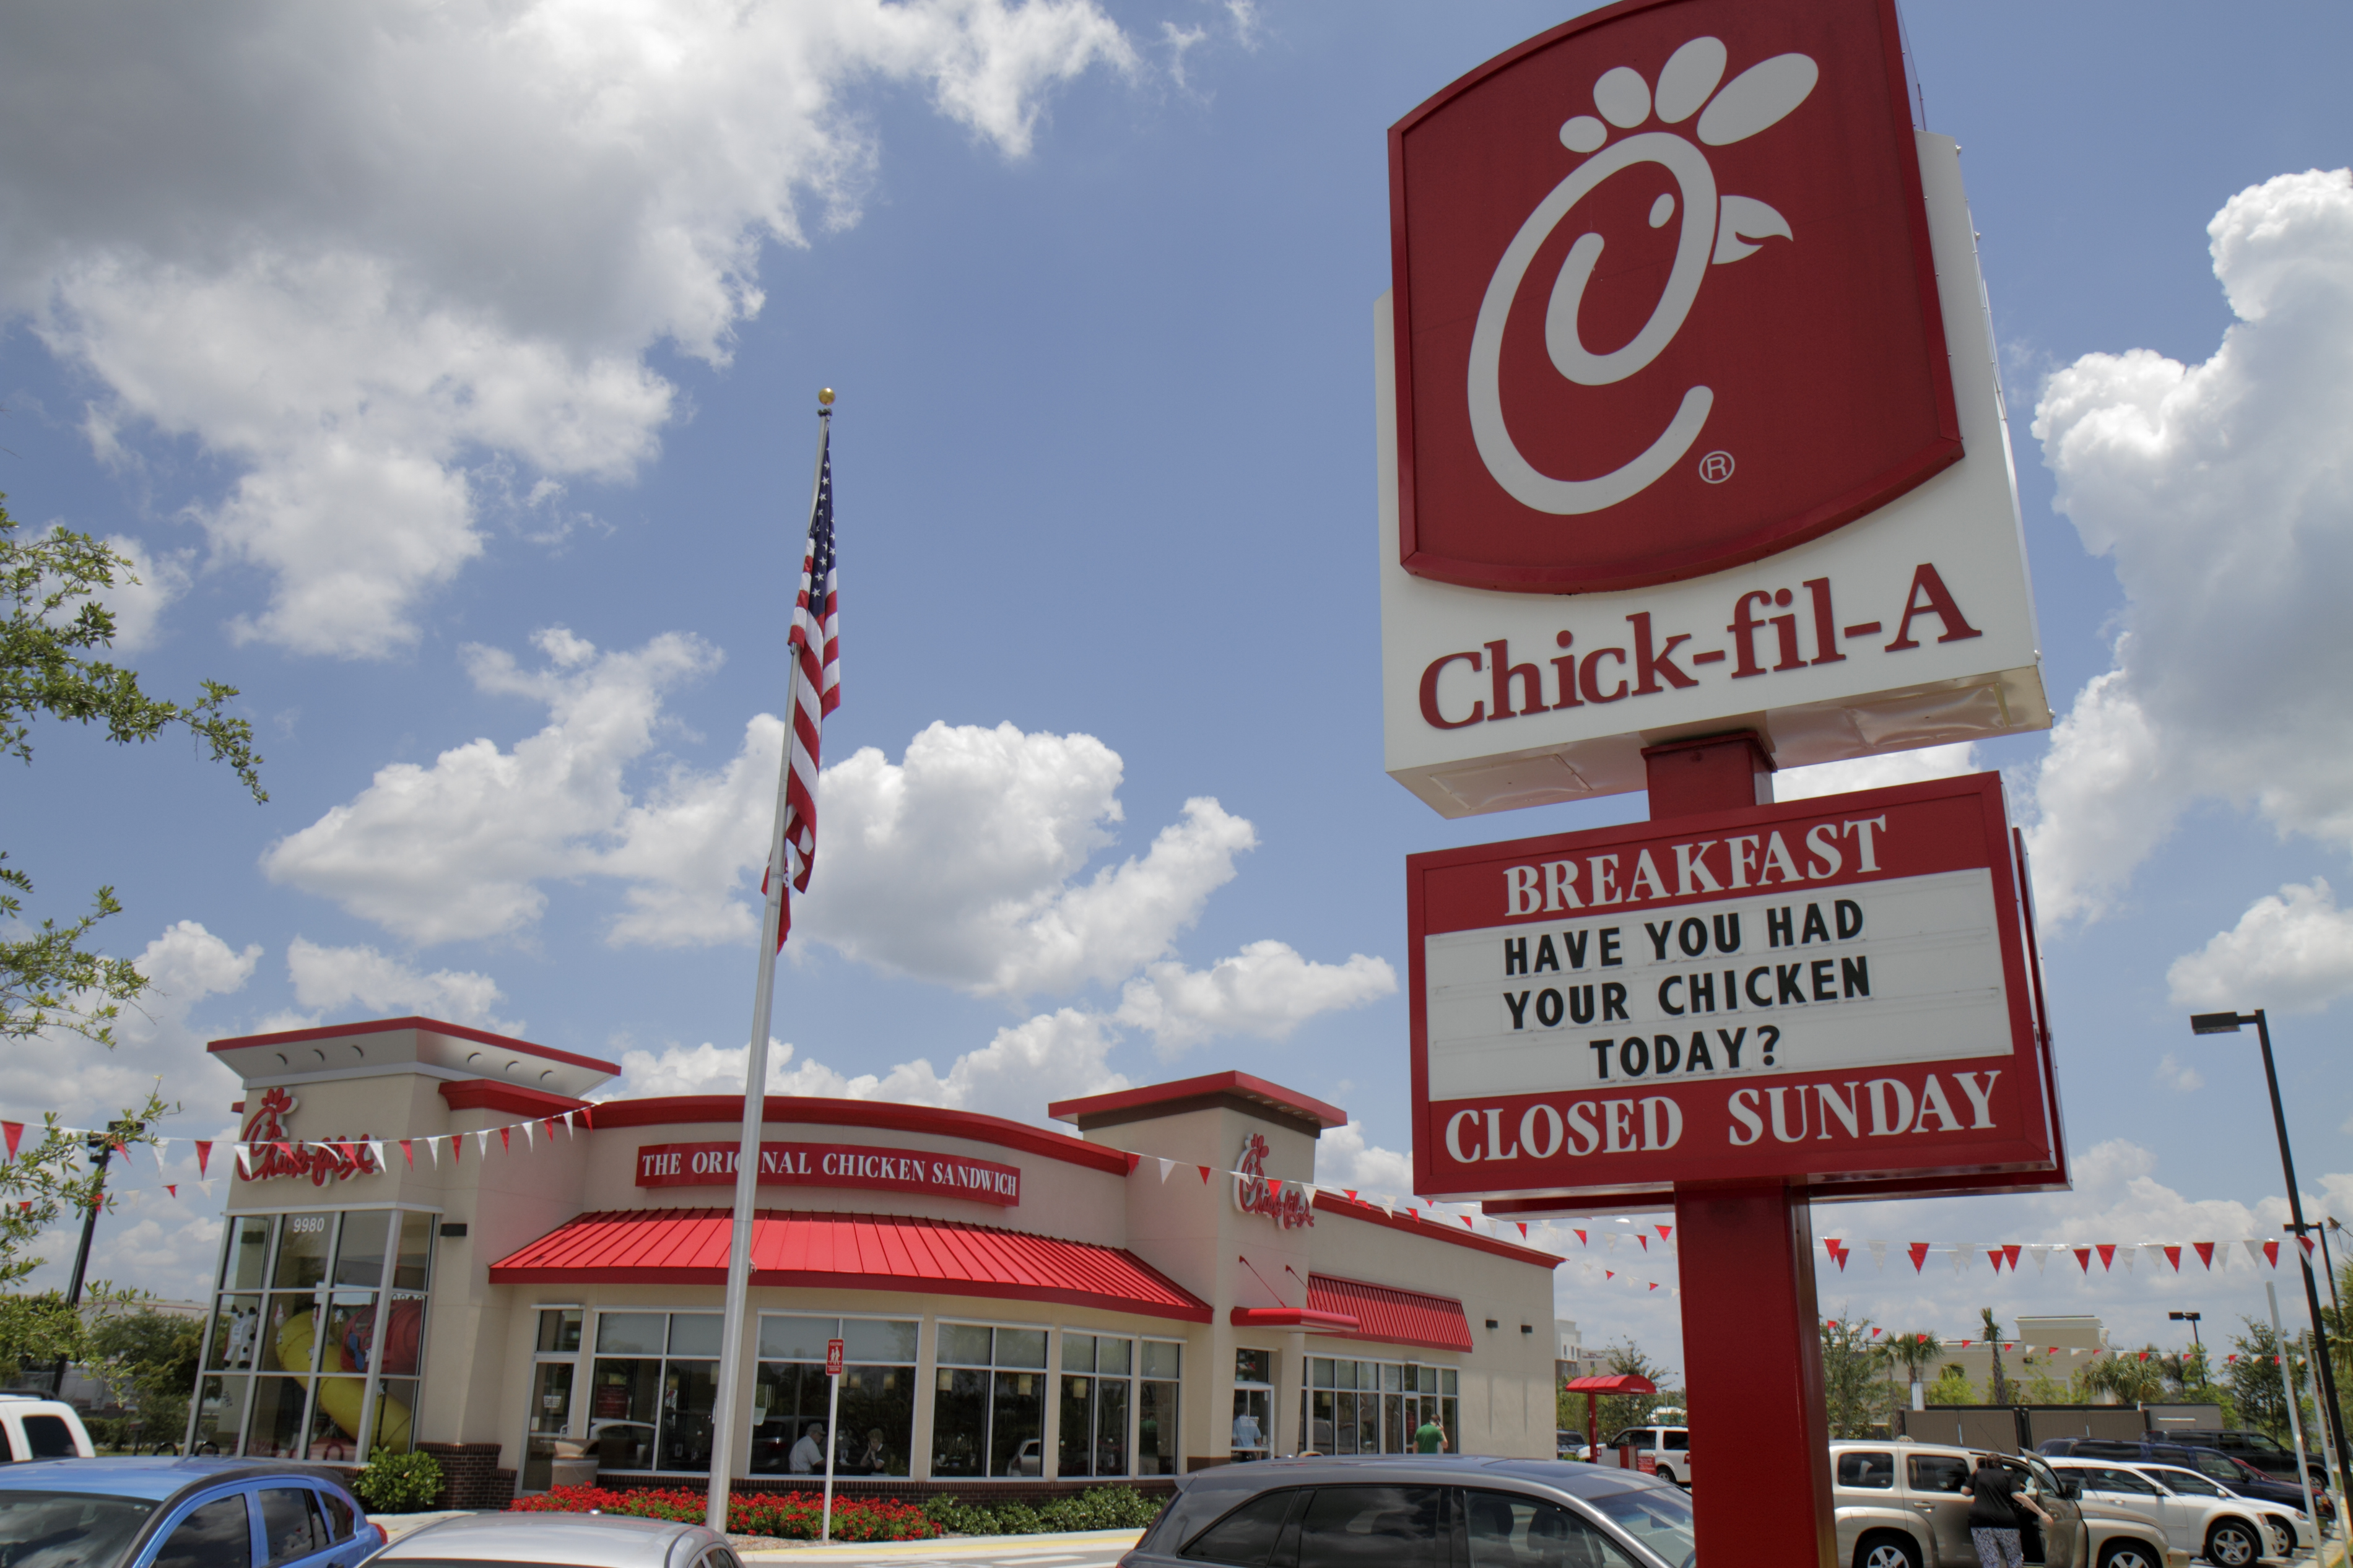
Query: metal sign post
833,1361
2294,1415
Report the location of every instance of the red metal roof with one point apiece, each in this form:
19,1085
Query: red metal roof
849,1251
1241,1084
1392,1316
1617,1382
1301,1318
431,1026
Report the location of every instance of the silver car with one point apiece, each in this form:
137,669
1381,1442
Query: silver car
1419,1512
1907,1505
574,1539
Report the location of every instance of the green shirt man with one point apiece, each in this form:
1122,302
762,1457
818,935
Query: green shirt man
1430,1438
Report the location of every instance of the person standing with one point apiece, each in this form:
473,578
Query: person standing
1997,1499
1430,1438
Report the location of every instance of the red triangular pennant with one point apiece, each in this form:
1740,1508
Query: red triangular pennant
1205,1173
1663,1230
2173,1255
2271,1253
2082,1257
203,1154
1919,1250
2205,1254
1644,1240
2306,1243
2107,1251
1466,1222
1606,1274
1581,1240
172,1188
14,1133
1993,1255
506,1138
1523,1228
2010,1252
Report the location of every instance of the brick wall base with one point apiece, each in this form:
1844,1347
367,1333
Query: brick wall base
470,1476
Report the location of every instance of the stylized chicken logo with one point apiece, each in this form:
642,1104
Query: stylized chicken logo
1715,230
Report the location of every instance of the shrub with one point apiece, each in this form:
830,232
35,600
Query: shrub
1099,1508
399,1483
788,1516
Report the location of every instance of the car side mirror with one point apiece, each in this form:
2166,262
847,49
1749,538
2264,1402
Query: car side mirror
2069,1488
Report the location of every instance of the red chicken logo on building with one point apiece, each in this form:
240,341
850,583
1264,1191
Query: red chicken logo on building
1255,1192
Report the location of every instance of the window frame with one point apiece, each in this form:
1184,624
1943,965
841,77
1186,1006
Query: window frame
912,1366
1048,1375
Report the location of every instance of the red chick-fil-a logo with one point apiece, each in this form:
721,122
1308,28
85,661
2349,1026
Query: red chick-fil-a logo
271,1150
1256,1193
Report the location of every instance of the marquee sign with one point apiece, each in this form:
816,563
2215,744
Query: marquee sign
1689,414
1838,993
858,1165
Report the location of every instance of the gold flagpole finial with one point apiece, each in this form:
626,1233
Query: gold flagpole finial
824,397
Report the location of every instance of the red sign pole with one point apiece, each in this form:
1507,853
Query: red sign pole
834,1358
1759,1432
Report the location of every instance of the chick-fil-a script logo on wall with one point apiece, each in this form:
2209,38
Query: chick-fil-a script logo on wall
270,1149
1663,294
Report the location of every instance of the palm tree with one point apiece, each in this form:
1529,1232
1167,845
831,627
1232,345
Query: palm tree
1913,1352
2125,1374
2000,1389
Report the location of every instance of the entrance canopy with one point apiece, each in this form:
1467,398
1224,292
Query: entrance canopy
1616,1382
849,1251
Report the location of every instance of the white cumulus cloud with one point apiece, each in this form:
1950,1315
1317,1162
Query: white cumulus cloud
2221,494
2292,950
1267,990
363,255
362,981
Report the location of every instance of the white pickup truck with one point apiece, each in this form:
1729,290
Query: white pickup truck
1661,1451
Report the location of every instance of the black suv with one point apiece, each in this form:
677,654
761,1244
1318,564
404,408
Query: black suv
2264,1452
2222,1468
1416,1512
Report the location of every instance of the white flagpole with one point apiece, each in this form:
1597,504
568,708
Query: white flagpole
755,1084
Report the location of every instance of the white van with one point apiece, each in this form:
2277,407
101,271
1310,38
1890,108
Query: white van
39,1428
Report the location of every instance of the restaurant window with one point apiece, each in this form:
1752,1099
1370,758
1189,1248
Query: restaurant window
1098,1395
877,1395
1254,1431
315,1336
1160,1361
554,1373
1352,1406
650,1390
988,1406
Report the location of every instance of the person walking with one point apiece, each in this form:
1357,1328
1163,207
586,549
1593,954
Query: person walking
1997,1499
1430,1438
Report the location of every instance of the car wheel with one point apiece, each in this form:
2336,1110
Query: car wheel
2130,1554
1666,1475
2233,1544
1898,1552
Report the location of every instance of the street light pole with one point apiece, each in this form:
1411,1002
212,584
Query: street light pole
2192,1319
100,1146
2229,1024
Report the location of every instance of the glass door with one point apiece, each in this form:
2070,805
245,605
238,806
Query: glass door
551,1421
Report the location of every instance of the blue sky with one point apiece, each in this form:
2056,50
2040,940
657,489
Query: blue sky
393,356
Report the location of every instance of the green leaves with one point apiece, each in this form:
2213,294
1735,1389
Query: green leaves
56,618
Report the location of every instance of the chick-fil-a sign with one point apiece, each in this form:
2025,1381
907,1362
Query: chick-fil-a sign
1665,301
1824,991
834,1165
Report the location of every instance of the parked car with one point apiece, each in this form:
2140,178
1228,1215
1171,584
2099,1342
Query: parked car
1661,1451
1404,1510
1907,1505
180,1513
39,1428
2225,1530
2233,1475
2258,1450
574,1540
1569,1446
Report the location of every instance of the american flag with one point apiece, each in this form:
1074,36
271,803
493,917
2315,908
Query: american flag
816,645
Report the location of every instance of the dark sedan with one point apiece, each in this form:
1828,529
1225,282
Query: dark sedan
1418,1511
2233,1475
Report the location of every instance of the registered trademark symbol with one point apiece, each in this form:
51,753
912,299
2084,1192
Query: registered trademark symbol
1715,468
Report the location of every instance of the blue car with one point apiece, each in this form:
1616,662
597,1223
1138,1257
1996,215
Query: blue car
180,1513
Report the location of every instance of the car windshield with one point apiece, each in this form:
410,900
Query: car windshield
1659,1518
67,1530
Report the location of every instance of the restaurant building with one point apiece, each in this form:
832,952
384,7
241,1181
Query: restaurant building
435,1237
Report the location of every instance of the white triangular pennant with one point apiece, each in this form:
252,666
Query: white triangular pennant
1963,1256
2041,1257
1878,1254
1167,1166
432,1147
530,1142
482,1141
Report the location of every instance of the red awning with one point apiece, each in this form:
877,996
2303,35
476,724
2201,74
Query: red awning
1303,1318
1619,1383
1392,1316
850,1252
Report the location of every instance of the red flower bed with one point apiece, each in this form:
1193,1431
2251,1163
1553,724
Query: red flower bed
788,1516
